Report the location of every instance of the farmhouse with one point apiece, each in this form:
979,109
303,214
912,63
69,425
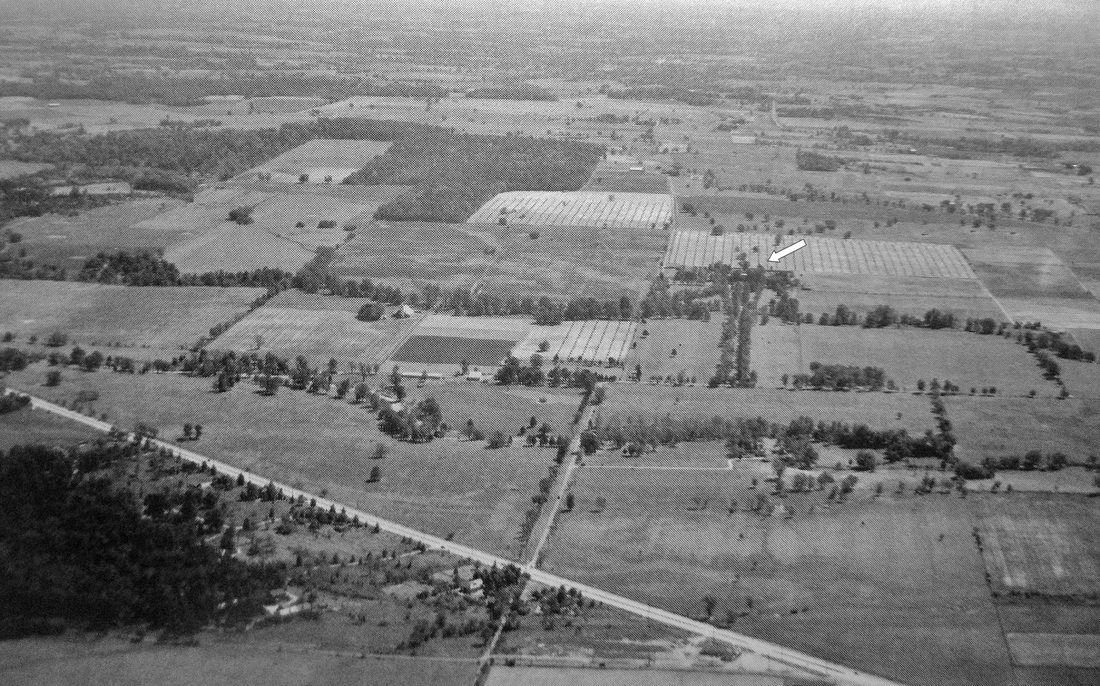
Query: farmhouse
403,312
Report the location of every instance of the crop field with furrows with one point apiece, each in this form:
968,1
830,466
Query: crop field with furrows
318,159
913,295
589,341
420,349
1045,544
821,255
317,327
97,314
407,254
579,208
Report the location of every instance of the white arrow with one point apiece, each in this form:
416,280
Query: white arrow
780,254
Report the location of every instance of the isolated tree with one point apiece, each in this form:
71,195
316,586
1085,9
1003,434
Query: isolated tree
187,431
709,603
198,431
53,377
569,500
865,461
375,475
380,452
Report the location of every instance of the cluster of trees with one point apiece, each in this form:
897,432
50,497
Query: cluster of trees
961,145
642,434
882,316
839,377
683,94
414,423
1056,343
453,174
1032,460
13,360
80,551
740,299
141,268
808,160
11,402
513,372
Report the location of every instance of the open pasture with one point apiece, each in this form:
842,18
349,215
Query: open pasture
578,208
908,355
579,341
322,161
408,254
232,248
27,426
893,586
695,343
573,262
318,327
280,215
998,427
913,295
828,255
1043,544
616,179
1025,272
96,314
877,410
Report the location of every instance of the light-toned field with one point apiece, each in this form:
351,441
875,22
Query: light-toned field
337,159
695,343
579,208
821,255
488,328
1055,650
96,314
869,583
877,410
279,216
1055,313
965,298
318,327
1044,544
1082,379
996,427
50,662
1025,272
445,486
581,341
907,355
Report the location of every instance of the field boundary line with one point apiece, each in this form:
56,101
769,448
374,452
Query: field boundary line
795,659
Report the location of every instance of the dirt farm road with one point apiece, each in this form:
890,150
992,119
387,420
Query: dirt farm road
798,661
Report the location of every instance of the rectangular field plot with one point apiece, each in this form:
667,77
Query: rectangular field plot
452,350
318,159
584,341
1025,272
489,328
1055,650
579,208
914,295
821,255
618,180
1042,544
998,427
95,314
566,676
695,343
318,327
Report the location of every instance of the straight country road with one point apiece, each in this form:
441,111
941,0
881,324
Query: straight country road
800,663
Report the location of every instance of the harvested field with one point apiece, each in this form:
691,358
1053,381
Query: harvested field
335,159
877,410
319,327
591,341
579,208
1044,544
1025,272
451,350
1055,650
997,427
96,314
821,255
695,343
965,298
893,586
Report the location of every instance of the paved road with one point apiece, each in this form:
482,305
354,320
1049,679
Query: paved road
798,661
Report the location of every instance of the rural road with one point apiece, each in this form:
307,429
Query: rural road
798,661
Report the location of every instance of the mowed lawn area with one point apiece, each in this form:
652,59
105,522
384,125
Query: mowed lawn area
892,585
445,486
695,344
319,327
877,410
908,355
998,427
97,314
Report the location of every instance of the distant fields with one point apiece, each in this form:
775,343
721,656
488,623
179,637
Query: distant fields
821,255
318,159
96,314
319,327
579,208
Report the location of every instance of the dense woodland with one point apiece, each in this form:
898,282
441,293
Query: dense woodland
81,551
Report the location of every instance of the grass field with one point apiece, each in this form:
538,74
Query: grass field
27,426
95,314
10,168
578,208
907,355
452,350
446,486
1055,650
821,255
592,341
965,298
877,410
695,343
1042,544
1015,272
618,180
319,327
873,584
997,427
318,159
